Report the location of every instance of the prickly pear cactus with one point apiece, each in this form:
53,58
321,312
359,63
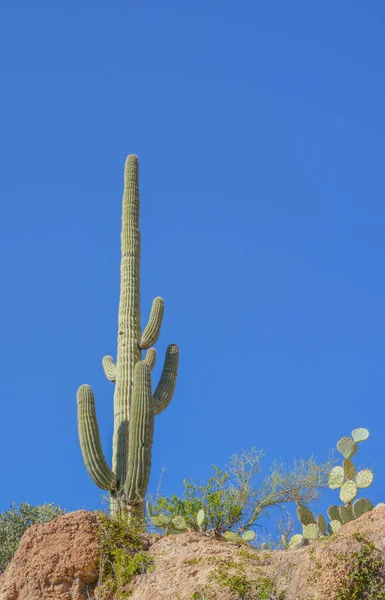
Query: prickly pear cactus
362,506
311,531
296,540
248,536
135,405
200,519
231,536
161,521
321,522
346,513
348,491
334,526
179,523
305,515
349,481
347,446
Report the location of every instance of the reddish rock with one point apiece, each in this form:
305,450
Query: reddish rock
55,561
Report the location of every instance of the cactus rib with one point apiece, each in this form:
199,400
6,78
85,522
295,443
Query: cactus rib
90,441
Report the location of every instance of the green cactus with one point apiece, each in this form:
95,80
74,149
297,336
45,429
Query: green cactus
248,536
161,521
305,515
311,531
231,536
360,434
334,513
336,478
179,523
348,481
296,540
321,522
347,446
346,513
334,526
348,491
200,519
364,478
362,506
349,469
134,404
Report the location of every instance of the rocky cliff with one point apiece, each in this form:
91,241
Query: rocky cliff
58,561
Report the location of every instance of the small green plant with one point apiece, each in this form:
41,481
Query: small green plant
366,575
231,575
121,556
16,520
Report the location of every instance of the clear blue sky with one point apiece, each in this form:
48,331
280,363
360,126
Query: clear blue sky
260,130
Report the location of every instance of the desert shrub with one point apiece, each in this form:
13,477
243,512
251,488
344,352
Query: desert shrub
122,556
231,498
366,573
16,520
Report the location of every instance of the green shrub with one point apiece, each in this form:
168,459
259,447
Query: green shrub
232,500
16,520
366,573
121,556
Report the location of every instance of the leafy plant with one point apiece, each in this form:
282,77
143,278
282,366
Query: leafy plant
230,499
16,520
366,574
122,556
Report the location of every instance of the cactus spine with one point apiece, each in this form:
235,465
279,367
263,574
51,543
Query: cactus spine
134,404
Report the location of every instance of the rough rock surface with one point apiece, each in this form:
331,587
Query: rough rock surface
57,561
183,564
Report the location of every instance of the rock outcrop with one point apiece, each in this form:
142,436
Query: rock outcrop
55,561
58,561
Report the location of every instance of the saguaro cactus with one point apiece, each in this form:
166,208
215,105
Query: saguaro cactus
134,404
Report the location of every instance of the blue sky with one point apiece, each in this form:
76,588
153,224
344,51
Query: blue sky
260,130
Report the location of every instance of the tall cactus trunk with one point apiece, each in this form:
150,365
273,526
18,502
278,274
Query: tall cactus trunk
134,404
128,321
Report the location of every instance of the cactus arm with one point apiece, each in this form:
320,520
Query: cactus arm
109,368
165,389
90,441
150,357
152,330
141,430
